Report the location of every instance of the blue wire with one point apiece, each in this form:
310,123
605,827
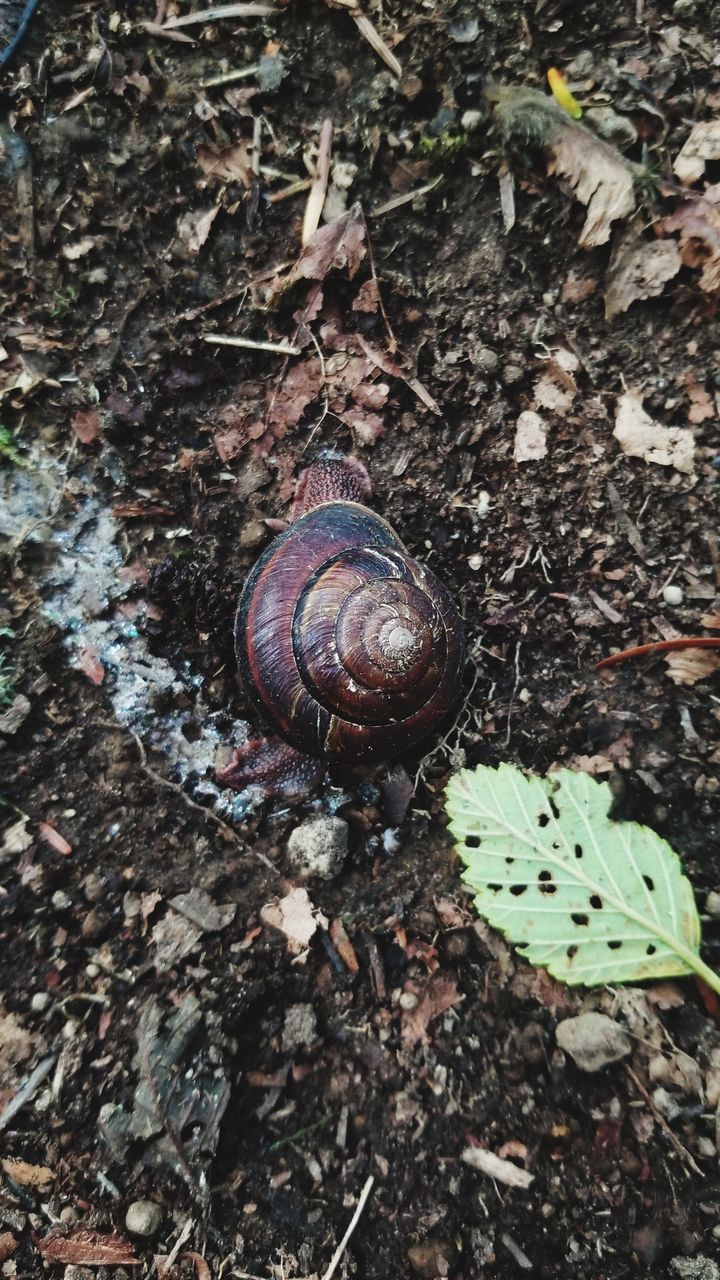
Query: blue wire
14,45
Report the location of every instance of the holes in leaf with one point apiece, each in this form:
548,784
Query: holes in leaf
546,884
545,875
472,842
548,888
578,851
517,889
509,861
543,819
577,917
553,807
649,883
494,888
571,952
650,950
614,945
596,902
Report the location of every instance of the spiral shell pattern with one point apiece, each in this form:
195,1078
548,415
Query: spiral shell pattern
349,646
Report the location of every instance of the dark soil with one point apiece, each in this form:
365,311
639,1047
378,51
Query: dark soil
556,562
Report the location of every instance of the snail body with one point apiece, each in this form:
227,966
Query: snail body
350,647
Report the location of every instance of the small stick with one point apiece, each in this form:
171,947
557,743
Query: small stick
229,340
397,201
660,646
229,77
28,1090
373,37
659,1117
318,190
334,1261
293,189
250,10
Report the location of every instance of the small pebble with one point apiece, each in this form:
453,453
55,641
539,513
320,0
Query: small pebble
684,9
144,1218
318,847
673,595
61,901
593,1040
697,1268
712,903
40,1001
408,1000
300,1027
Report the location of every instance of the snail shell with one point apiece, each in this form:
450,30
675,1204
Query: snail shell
350,647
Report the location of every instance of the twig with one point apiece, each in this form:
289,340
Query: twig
660,646
167,1262
318,190
327,1275
397,201
229,77
677,1144
230,340
253,9
373,37
28,1090
293,189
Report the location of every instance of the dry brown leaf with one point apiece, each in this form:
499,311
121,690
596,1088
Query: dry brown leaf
8,1245
296,917
601,178
638,269
703,144
688,666
698,222
577,288
27,1175
439,994
639,436
193,228
340,244
702,406
87,1248
86,425
530,437
229,164
548,395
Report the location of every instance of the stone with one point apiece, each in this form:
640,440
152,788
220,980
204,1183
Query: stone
318,847
144,1218
593,1040
432,1259
611,126
300,1027
712,903
673,595
698,1268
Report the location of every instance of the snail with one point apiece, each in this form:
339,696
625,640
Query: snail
348,646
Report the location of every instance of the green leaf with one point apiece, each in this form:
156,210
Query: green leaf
8,448
591,900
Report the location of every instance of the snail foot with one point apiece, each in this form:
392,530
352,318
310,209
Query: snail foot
274,768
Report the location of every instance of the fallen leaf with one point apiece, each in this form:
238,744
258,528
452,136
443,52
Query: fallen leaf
193,228
530,437
228,164
91,666
601,178
638,269
577,288
698,222
702,406
702,144
8,1245
687,666
639,436
86,425
27,1175
439,993
340,244
548,395
198,907
86,1248
296,917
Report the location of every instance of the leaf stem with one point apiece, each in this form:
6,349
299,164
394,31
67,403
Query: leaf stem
702,970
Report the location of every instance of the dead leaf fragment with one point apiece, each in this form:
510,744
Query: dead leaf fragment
688,666
27,1175
438,994
86,425
340,244
639,269
494,1167
698,222
228,164
8,1245
599,175
639,436
703,144
193,228
87,1248
296,917
530,437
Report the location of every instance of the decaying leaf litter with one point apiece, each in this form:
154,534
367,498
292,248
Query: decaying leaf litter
398,1035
